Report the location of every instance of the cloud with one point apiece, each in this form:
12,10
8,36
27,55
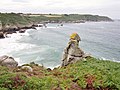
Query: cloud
22,1
105,7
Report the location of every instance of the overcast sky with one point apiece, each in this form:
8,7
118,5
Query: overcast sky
109,8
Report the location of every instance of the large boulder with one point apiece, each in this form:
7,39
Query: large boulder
8,61
72,53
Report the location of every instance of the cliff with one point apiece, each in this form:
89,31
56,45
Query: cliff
90,73
12,20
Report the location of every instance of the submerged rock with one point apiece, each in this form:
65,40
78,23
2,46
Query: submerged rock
8,61
72,52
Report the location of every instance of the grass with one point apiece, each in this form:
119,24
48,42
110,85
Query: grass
92,71
53,15
13,19
17,19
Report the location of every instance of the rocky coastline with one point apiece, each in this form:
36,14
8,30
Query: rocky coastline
85,74
15,29
12,22
78,71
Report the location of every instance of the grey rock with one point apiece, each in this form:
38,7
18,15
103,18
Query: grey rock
27,68
2,58
2,35
22,30
8,61
72,53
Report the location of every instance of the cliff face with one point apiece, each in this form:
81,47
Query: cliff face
12,20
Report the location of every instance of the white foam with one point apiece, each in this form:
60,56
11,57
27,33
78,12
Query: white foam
53,67
39,59
52,27
11,44
102,58
39,28
18,60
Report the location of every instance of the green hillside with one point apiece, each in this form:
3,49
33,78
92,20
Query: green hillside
99,74
12,19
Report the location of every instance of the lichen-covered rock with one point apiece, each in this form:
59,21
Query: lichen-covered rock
75,36
72,52
8,61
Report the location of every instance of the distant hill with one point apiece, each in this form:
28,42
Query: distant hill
67,17
13,19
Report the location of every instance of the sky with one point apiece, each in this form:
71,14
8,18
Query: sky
110,8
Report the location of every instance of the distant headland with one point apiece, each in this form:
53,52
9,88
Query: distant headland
12,22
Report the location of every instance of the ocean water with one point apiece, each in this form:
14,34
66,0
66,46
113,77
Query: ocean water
45,45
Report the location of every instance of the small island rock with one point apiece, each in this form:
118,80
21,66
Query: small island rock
72,52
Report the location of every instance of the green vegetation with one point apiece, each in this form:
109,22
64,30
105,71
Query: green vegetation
28,19
97,73
13,19
68,17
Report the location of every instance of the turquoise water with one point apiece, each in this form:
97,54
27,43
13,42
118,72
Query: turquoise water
45,45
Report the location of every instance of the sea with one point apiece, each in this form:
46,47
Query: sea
45,45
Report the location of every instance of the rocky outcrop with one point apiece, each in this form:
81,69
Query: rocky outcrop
22,30
2,35
8,61
10,29
72,52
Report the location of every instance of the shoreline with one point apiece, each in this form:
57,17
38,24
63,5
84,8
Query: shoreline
98,58
23,28
10,44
